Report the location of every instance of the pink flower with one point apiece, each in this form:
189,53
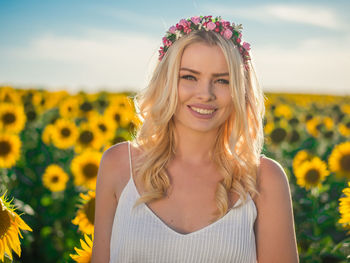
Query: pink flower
228,33
161,53
195,19
172,29
166,42
246,46
187,30
183,22
179,27
211,26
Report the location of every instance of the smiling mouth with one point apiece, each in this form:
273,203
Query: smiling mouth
202,111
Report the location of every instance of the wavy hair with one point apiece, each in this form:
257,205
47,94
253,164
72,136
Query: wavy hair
239,143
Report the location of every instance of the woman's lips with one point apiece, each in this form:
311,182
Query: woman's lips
202,116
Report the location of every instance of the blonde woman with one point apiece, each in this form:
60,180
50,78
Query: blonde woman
193,185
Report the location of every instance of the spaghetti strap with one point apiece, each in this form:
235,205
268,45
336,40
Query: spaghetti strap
130,159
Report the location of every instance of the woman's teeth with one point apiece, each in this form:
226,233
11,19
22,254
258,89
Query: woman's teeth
202,111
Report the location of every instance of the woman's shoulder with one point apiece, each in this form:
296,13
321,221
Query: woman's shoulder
271,179
114,166
270,172
116,154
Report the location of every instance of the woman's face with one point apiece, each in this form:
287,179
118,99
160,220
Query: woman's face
204,101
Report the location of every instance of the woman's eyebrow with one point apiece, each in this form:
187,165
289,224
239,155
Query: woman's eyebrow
196,72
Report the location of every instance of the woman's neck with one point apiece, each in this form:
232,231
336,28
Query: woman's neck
194,147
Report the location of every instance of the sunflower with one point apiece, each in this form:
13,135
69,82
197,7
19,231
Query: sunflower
120,114
311,173
55,178
89,137
317,124
121,101
345,108
300,157
344,208
85,217
312,124
344,127
8,94
84,254
85,167
105,125
69,108
339,160
44,100
10,226
283,110
12,117
10,149
65,134
86,105
46,136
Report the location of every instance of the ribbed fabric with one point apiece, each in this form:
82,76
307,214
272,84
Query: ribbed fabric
139,235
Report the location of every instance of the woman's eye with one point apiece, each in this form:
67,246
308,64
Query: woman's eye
223,81
189,77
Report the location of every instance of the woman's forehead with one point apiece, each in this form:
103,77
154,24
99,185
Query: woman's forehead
202,58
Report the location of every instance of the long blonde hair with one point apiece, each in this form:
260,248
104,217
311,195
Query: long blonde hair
240,139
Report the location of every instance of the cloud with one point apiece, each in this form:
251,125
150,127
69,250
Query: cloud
131,17
317,65
324,17
108,58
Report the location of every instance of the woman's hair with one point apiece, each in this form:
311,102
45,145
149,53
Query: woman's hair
240,139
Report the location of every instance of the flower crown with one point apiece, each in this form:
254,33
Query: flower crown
217,24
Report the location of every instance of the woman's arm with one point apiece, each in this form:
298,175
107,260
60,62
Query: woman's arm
109,173
274,226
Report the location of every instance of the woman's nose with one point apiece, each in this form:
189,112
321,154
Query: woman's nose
206,90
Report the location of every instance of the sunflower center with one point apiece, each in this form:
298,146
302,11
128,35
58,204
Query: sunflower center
117,117
348,125
5,221
90,170
86,106
293,121
89,210
102,127
8,118
345,162
86,137
65,132
54,179
5,148
312,176
278,135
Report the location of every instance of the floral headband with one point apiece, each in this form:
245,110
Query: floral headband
217,24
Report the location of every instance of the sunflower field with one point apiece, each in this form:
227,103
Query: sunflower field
51,144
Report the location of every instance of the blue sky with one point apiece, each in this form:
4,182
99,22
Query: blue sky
297,46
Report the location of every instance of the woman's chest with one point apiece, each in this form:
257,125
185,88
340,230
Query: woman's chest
191,202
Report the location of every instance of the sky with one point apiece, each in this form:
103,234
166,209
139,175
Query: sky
296,46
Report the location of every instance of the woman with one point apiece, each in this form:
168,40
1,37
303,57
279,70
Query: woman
193,185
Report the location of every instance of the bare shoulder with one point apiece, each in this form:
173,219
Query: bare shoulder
112,175
274,226
271,176
114,167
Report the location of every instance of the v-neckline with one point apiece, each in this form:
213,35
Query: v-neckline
150,211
